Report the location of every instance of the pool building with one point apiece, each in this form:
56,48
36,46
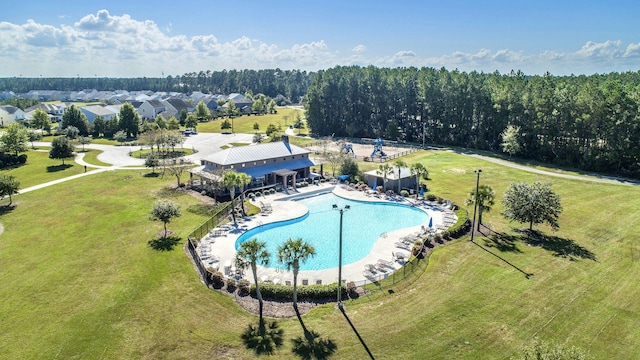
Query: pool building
277,164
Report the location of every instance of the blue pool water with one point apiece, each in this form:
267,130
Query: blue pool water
362,225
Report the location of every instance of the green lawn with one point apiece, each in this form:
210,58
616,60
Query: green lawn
40,169
91,157
244,124
80,280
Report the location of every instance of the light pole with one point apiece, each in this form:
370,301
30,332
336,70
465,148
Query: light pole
475,202
335,207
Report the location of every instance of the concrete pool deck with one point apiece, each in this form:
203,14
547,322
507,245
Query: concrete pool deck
221,241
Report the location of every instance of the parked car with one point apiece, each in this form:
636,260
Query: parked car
189,132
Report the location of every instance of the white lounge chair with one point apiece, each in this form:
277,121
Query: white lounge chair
369,274
387,263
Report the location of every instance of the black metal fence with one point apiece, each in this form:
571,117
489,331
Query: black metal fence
208,225
399,279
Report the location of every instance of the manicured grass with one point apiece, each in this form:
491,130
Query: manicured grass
80,280
244,124
40,169
91,157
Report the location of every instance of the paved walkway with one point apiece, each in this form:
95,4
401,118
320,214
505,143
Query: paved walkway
222,244
118,156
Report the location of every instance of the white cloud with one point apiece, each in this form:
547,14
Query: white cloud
606,49
633,50
359,49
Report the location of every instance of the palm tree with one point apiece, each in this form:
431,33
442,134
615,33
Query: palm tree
231,180
385,170
418,170
250,253
399,164
291,254
485,199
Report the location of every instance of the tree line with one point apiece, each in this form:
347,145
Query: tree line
289,84
588,122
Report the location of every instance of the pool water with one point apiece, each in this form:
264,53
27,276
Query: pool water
362,225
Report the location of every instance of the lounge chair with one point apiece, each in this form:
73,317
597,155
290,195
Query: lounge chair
387,263
318,281
369,274
403,245
305,281
370,267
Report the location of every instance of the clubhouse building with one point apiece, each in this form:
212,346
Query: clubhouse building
275,164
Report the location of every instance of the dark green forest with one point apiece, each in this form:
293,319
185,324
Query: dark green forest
291,84
586,122
589,122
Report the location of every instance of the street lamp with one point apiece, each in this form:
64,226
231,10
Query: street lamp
475,202
335,207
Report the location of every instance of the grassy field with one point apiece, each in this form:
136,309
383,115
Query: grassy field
40,169
244,124
81,281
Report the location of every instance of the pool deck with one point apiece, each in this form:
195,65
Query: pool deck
221,241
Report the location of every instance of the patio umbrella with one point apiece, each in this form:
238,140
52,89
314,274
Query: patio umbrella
375,185
422,192
430,222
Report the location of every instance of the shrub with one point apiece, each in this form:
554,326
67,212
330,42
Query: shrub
244,287
404,193
284,292
431,197
232,285
462,226
216,278
22,158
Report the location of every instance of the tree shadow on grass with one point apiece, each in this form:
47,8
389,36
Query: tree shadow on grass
311,345
263,339
152,175
561,247
56,168
5,209
164,243
502,242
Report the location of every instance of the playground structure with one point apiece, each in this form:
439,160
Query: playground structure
377,148
348,148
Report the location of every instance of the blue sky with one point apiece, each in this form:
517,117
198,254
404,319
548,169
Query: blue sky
129,39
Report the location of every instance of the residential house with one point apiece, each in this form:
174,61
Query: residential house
10,114
55,111
244,104
174,106
150,109
93,111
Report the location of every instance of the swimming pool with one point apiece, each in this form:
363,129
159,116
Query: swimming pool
362,225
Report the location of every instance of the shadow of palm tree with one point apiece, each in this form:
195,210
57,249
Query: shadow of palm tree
164,243
561,247
263,339
56,168
311,345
